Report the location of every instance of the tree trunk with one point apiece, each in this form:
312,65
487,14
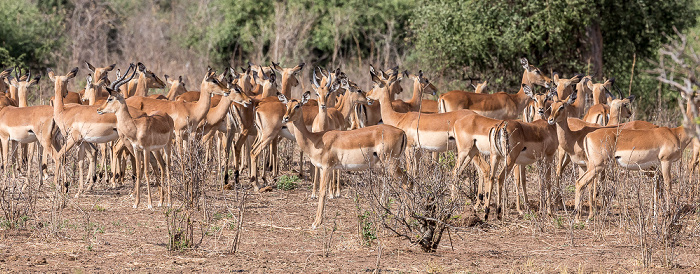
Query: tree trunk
595,53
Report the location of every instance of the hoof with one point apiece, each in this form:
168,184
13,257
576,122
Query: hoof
135,206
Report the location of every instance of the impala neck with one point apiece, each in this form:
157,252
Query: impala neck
141,89
683,136
344,105
286,87
218,113
175,90
521,99
615,118
130,87
322,118
389,116
565,137
125,123
13,92
22,97
306,140
269,90
59,90
417,94
201,107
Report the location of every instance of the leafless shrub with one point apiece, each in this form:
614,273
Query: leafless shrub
421,214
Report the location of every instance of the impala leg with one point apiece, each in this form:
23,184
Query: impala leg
137,182
581,183
168,157
337,183
81,160
61,157
146,162
666,173
325,172
562,161
92,173
315,179
518,175
6,156
161,166
301,164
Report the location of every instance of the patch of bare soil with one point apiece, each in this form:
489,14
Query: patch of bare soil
101,232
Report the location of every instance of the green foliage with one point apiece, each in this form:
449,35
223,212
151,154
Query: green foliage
486,38
367,231
28,32
286,182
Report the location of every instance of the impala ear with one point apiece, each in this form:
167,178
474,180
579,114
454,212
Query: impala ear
35,80
299,67
72,73
282,98
473,86
52,75
552,94
88,81
631,98
577,78
276,66
111,67
571,99
588,83
375,78
555,77
305,97
528,91
525,63
91,68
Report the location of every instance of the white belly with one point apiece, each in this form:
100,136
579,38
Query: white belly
637,159
102,138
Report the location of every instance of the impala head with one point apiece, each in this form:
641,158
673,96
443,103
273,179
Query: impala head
533,75
354,93
602,88
60,81
324,91
24,82
293,107
623,106
480,87
116,98
211,84
260,71
394,87
152,80
91,86
541,99
566,85
100,73
177,86
237,95
559,109
289,75
690,116
423,84
381,88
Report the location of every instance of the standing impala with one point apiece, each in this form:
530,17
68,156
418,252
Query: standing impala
429,131
356,149
79,124
416,103
147,133
499,105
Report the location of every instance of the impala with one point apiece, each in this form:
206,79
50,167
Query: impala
432,132
177,87
520,144
586,152
326,119
499,105
601,90
609,114
357,149
79,124
152,81
416,103
145,134
185,115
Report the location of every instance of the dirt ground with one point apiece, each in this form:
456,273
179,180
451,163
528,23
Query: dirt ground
101,232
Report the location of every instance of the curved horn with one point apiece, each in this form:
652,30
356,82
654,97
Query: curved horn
330,79
313,79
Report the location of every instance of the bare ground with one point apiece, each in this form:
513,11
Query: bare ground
101,232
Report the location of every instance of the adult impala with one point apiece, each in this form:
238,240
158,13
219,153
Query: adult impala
147,133
356,149
499,105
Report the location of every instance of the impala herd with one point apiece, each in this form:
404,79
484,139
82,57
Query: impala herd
345,128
